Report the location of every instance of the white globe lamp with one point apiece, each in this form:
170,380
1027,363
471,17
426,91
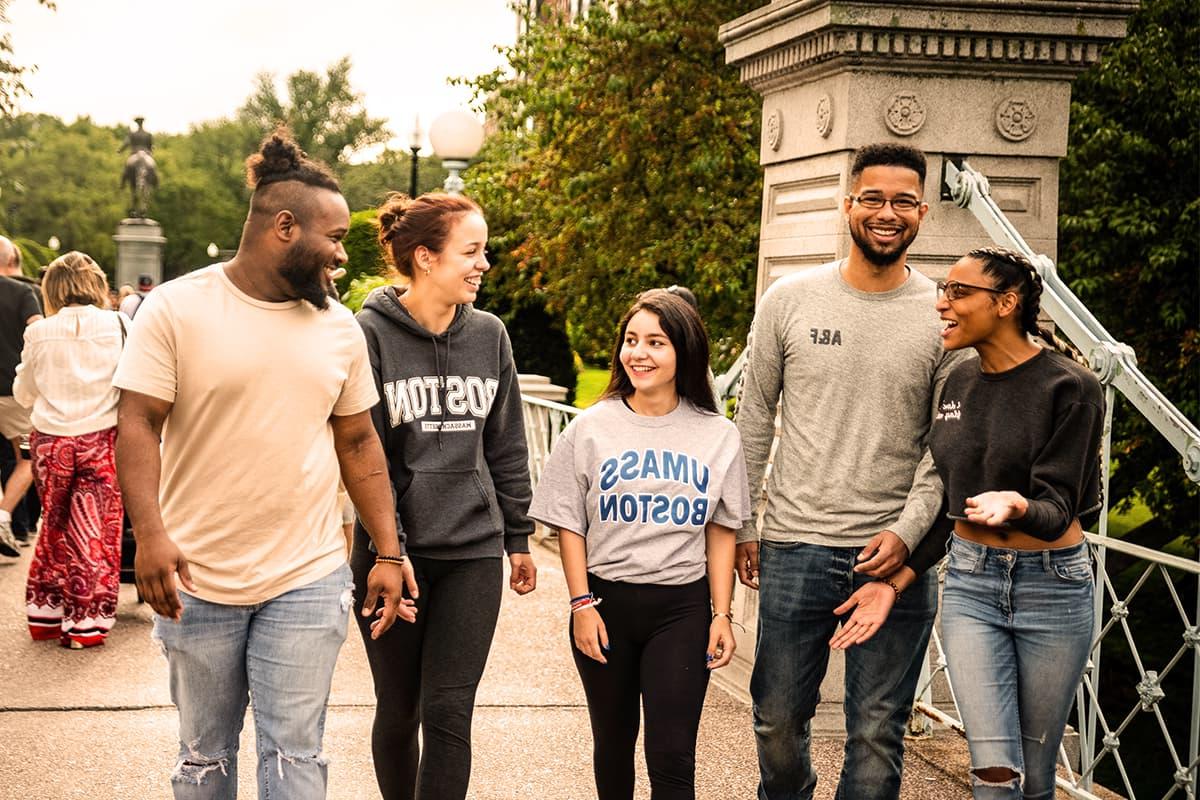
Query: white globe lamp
456,137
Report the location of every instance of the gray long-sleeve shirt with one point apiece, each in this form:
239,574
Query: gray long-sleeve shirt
857,373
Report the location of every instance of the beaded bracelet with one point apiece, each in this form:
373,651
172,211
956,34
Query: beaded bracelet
892,584
390,560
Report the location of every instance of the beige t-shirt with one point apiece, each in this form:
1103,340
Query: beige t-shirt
249,474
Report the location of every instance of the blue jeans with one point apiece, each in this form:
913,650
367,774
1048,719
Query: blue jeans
1017,629
800,585
281,653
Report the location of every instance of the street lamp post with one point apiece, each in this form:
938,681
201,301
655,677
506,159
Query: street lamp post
456,137
53,243
213,251
414,145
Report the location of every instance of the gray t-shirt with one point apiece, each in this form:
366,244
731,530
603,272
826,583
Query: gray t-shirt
641,489
856,373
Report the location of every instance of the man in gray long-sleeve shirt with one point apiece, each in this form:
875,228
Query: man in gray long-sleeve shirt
853,351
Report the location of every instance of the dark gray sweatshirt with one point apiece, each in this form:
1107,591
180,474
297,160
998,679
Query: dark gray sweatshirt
451,424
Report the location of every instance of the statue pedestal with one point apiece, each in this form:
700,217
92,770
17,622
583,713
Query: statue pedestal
139,250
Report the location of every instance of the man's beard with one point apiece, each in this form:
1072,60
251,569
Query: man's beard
304,270
882,258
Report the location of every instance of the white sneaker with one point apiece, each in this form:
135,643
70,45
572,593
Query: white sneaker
8,542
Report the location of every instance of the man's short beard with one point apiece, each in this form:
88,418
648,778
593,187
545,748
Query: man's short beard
304,270
879,258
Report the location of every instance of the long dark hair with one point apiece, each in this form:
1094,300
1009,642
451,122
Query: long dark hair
1012,270
685,330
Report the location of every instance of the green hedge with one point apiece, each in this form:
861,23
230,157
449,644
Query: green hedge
362,248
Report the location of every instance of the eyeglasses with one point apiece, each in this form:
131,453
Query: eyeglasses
956,291
874,202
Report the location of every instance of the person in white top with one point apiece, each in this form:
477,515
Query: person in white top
65,380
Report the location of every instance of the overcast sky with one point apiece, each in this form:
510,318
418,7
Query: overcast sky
177,62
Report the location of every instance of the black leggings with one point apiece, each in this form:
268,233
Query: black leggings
657,636
426,674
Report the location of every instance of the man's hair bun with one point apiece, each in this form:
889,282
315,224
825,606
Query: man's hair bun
280,159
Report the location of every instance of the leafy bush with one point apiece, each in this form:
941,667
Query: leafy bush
362,248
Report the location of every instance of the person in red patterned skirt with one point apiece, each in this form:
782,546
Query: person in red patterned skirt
65,379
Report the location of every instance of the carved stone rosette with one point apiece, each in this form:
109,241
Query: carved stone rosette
905,114
825,116
1015,119
774,128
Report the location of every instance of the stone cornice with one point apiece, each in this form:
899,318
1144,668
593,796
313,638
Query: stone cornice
1018,38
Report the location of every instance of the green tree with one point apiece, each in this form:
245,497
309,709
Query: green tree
365,258
62,180
202,195
323,112
1129,234
368,184
12,87
625,156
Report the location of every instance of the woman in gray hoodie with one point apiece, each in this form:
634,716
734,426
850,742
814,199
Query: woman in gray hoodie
451,424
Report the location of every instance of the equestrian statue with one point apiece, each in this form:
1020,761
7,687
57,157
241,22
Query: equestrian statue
140,172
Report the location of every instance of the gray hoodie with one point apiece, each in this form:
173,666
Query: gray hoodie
451,424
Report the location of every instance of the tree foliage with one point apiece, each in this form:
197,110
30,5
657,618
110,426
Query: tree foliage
63,181
368,184
625,157
1130,232
12,87
365,258
324,113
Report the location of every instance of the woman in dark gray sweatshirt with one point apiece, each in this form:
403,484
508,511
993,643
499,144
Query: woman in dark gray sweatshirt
451,424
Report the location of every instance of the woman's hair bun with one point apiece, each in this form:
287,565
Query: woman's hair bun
390,213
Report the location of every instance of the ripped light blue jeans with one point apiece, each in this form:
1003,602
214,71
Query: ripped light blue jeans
1017,626
281,653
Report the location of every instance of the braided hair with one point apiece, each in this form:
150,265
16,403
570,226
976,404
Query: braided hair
1013,271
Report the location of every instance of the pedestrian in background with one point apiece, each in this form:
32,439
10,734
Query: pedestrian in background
19,308
65,381
647,488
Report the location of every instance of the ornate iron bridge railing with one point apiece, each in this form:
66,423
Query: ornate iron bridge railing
1116,366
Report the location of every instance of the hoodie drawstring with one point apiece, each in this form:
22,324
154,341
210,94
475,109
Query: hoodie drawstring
441,397
442,376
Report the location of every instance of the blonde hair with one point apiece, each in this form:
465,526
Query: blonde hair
74,278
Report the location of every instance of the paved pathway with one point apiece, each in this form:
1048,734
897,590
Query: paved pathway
99,723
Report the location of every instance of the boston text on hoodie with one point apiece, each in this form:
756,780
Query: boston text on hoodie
451,425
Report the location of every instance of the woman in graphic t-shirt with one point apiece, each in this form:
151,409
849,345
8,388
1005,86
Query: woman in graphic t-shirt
1016,439
646,489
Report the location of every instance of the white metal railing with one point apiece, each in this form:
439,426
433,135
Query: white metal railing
1116,367
544,421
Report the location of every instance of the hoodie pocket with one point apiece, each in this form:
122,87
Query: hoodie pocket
447,508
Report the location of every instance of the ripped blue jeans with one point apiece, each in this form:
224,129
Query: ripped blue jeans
281,653
1017,626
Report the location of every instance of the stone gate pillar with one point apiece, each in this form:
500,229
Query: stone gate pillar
990,81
